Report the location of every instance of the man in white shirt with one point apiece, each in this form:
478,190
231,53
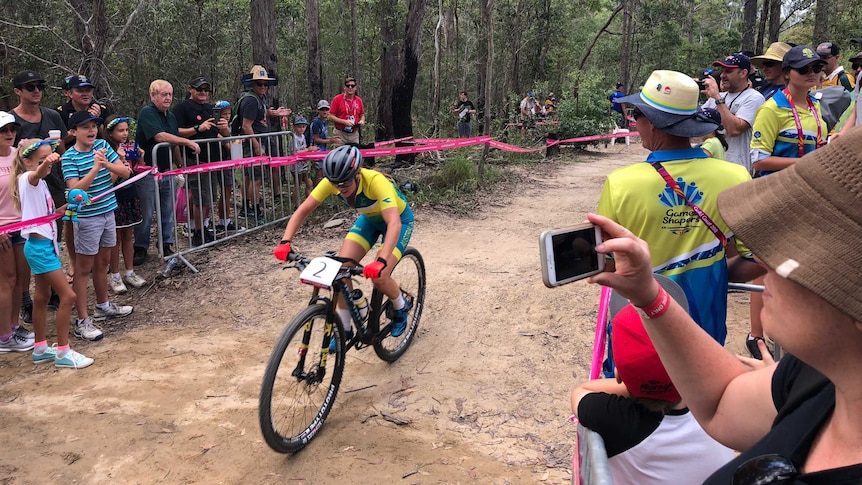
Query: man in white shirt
737,102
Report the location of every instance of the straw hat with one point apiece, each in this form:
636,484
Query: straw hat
802,220
775,52
669,102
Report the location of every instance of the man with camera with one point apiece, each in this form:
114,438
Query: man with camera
737,103
198,120
347,113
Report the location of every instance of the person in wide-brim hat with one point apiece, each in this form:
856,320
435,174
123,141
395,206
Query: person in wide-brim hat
669,101
259,73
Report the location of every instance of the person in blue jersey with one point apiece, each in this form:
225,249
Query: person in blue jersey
93,166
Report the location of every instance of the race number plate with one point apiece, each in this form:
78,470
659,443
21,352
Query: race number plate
320,272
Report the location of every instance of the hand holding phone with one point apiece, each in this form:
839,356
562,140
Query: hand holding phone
569,254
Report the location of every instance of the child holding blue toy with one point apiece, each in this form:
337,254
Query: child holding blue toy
33,162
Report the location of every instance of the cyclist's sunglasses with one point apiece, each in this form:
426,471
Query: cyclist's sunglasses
345,184
765,470
809,68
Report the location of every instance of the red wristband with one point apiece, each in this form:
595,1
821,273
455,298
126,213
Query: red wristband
659,306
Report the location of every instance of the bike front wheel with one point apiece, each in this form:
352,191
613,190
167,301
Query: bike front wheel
410,275
301,381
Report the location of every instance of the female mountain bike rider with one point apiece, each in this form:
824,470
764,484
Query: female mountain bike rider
383,211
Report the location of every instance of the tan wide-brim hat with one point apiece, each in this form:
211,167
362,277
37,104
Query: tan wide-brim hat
259,73
805,222
775,52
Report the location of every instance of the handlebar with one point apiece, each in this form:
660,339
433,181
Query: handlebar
300,262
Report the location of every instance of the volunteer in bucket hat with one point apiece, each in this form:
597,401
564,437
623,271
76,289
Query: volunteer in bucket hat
637,196
770,64
802,414
649,434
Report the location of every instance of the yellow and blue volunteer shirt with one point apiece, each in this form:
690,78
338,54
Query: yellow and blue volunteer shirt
775,133
681,245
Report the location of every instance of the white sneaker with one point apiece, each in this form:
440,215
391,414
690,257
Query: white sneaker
134,280
116,284
24,333
113,311
16,343
87,331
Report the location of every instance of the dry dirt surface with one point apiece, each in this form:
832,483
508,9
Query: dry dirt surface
484,390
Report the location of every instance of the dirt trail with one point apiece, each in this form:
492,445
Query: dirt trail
172,397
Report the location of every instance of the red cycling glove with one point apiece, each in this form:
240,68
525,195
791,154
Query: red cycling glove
374,269
282,250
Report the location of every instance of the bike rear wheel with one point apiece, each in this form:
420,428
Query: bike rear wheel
298,392
410,275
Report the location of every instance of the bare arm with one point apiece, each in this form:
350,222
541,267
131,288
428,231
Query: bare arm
734,125
165,137
393,232
734,405
43,170
609,386
773,163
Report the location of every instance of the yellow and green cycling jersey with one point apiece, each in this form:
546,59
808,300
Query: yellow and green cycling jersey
375,193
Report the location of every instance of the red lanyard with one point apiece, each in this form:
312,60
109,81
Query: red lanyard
697,210
799,133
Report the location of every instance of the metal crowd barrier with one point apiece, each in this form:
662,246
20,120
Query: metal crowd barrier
279,192
592,466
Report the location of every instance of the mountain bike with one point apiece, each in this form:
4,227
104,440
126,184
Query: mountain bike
302,376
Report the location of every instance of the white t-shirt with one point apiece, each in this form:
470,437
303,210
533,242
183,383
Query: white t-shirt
744,105
36,202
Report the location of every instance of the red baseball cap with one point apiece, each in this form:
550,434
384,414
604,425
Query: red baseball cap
637,362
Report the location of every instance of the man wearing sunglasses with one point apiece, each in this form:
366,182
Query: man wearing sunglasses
347,113
37,122
769,64
196,122
737,103
836,76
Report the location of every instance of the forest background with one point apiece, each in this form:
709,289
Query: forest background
411,57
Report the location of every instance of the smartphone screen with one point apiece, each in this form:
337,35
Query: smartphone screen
570,254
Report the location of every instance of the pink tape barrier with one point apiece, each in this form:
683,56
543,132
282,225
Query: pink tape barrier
17,226
601,334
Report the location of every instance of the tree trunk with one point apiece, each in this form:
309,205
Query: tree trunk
774,20
405,83
822,12
749,26
761,30
263,40
435,105
628,37
354,42
487,7
315,72
389,70
91,28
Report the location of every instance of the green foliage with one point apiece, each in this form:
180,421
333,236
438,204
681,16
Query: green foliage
589,112
457,175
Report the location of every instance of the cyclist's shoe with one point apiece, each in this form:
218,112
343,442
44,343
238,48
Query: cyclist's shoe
333,343
399,318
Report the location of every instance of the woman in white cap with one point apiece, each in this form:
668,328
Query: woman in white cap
800,420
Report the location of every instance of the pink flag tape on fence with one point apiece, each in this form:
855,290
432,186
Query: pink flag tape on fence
601,334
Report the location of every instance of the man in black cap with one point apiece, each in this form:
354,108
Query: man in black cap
196,122
737,102
836,76
79,92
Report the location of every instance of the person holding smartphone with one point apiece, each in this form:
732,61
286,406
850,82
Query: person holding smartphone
795,421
